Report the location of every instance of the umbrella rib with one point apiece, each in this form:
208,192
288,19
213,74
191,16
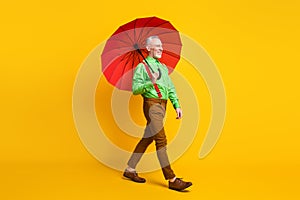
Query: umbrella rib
157,26
144,27
121,80
112,73
170,53
151,18
127,34
172,43
134,30
162,23
117,39
112,50
139,59
166,32
127,55
122,58
124,68
135,66
135,54
128,60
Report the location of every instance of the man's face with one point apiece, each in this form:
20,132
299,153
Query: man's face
155,48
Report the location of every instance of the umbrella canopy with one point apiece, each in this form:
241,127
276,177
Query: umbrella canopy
126,48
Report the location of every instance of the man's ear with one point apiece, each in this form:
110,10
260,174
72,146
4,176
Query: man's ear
148,48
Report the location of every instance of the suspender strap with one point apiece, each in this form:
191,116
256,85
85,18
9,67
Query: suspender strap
150,76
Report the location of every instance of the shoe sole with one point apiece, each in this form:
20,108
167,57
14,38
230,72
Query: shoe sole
134,180
182,188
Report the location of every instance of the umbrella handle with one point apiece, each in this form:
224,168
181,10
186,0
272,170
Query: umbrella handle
148,65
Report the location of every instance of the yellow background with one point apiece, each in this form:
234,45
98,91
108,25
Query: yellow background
255,45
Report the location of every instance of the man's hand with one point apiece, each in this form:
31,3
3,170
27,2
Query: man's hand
154,77
179,113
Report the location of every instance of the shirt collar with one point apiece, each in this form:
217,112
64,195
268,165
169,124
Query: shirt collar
151,59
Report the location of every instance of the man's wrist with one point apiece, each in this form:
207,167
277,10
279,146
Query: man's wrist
176,105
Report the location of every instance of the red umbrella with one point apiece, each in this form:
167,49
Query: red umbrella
125,49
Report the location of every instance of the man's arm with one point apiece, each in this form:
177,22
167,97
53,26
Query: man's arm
172,94
140,82
174,99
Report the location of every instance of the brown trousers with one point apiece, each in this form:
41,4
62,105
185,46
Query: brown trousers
154,111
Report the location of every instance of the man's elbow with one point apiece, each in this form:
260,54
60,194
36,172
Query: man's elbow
135,92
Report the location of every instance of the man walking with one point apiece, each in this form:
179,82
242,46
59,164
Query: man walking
156,88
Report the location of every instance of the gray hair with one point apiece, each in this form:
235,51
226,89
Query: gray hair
149,39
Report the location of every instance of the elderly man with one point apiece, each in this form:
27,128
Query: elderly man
156,88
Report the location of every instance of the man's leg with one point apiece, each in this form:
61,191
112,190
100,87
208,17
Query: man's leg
135,158
156,116
157,113
139,150
161,151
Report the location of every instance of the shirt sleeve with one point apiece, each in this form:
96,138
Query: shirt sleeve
172,92
141,82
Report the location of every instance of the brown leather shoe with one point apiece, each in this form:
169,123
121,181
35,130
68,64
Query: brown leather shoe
179,185
134,177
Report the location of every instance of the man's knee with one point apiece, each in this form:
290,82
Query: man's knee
160,143
145,141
